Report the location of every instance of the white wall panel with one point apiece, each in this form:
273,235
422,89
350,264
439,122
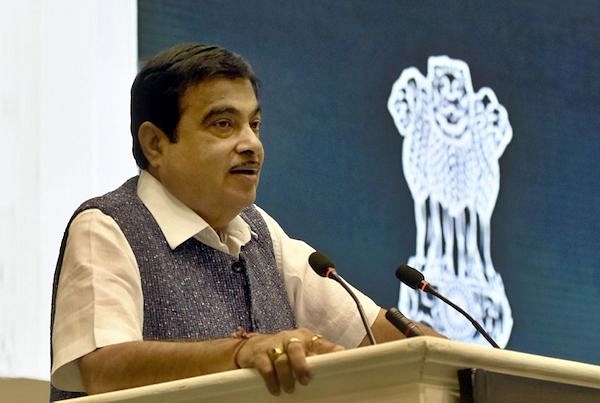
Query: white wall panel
65,71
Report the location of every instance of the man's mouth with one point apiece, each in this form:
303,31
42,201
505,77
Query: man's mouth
247,168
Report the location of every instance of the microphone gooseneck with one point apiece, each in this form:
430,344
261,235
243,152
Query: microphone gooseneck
324,267
415,279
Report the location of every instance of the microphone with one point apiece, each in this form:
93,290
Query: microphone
325,268
415,280
402,323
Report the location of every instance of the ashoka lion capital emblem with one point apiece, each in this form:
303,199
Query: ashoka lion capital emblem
453,138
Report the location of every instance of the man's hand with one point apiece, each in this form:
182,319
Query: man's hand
281,358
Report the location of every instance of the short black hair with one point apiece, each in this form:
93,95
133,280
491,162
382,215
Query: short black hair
158,87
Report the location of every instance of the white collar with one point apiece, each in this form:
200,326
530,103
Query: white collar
178,222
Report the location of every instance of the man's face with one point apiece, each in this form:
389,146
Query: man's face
214,165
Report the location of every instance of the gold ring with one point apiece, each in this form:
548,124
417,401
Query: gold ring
314,339
293,340
275,353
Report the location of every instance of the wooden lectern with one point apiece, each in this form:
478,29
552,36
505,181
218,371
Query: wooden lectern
420,369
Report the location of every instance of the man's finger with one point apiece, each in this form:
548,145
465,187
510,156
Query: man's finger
266,369
296,352
319,345
284,373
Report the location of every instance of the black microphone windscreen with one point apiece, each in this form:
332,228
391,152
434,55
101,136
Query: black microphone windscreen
320,263
409,276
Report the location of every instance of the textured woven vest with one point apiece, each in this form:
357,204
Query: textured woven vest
195,292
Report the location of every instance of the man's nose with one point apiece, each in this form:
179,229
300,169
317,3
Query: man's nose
249,141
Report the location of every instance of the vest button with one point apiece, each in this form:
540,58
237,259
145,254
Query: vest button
237,267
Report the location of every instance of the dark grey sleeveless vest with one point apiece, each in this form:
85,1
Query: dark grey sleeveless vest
194,292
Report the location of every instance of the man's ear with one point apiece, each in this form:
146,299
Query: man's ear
152,140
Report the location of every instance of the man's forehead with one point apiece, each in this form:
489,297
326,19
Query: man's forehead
221,93
221,84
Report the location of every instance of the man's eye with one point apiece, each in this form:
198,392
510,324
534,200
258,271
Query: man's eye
255,125
223,124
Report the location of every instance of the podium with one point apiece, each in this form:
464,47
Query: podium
419,369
